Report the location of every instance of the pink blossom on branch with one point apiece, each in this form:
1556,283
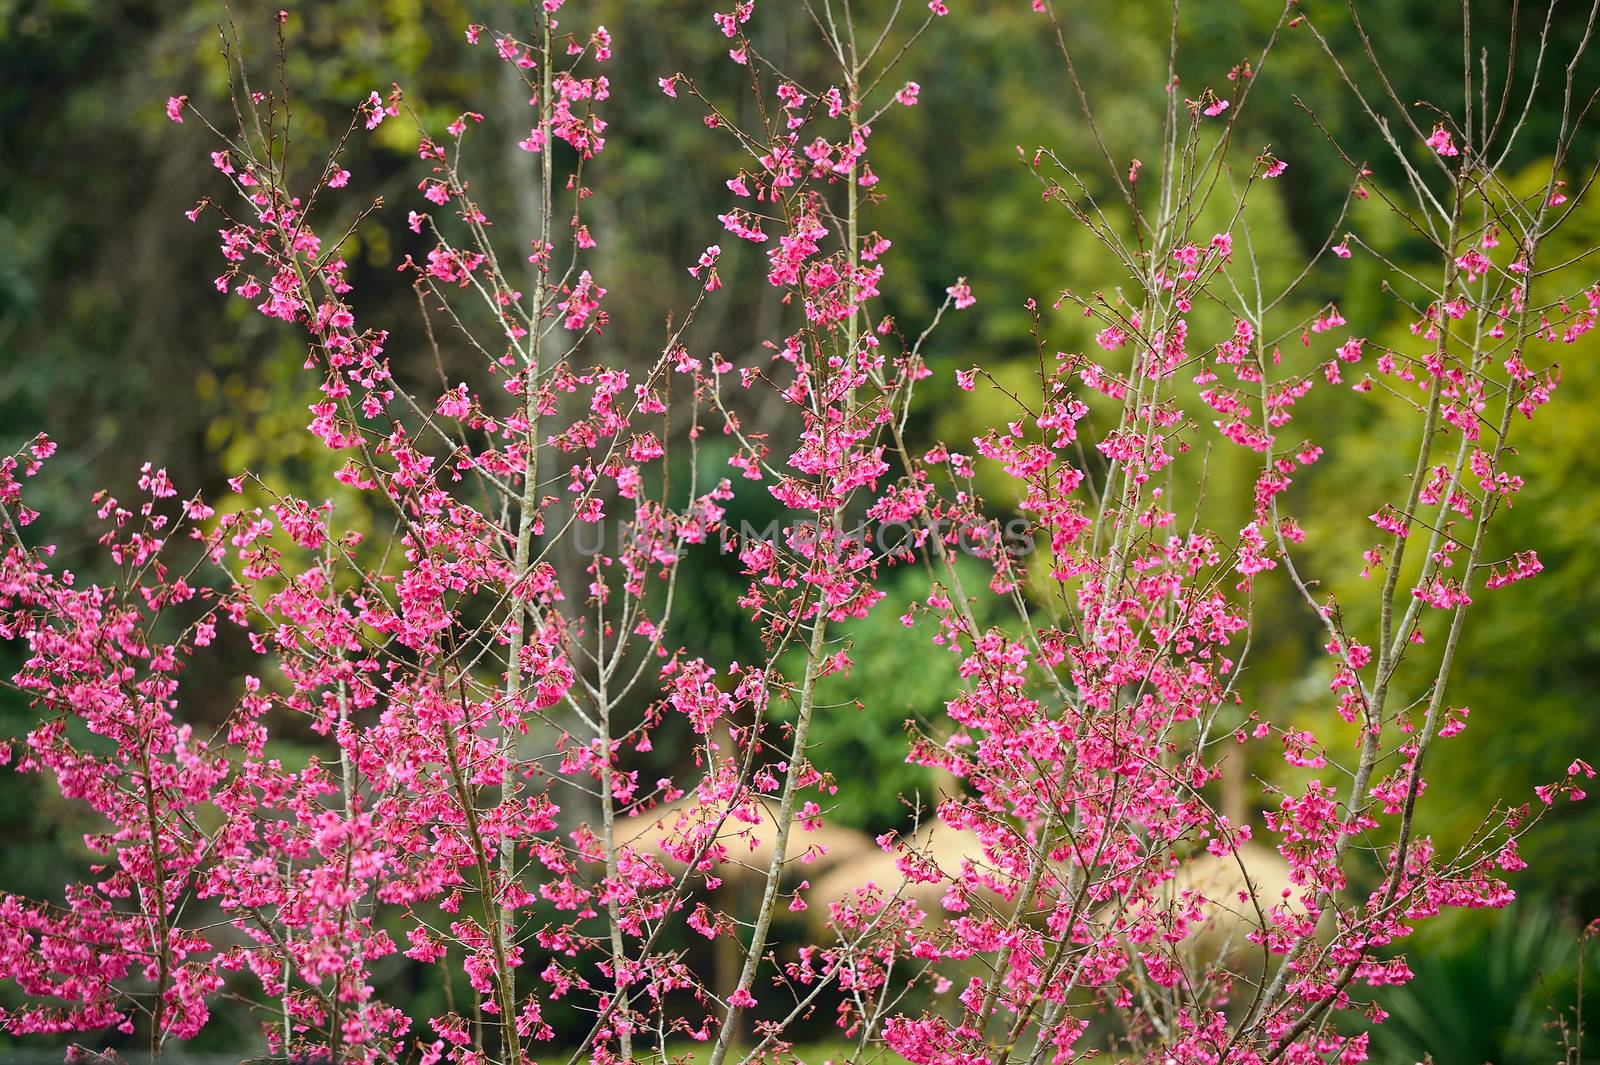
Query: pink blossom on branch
479,803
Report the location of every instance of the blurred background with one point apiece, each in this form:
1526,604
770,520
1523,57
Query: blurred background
113,340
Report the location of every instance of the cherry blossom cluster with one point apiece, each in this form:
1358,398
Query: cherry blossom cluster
484,698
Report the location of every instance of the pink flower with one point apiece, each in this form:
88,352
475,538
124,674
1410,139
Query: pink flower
175,106
708,265
961,292
375,110
1439,140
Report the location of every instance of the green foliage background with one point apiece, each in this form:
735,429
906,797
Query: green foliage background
113,341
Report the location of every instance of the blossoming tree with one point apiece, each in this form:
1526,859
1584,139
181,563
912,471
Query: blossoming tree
483,706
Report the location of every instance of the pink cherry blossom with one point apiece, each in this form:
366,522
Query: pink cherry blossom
481,672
